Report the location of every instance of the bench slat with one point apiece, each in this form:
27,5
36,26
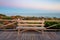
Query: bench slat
31,28
30,24
30,21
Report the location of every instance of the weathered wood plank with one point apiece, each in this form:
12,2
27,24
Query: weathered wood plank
58,35
29,35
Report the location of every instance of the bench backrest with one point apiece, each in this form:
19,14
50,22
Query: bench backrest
31,22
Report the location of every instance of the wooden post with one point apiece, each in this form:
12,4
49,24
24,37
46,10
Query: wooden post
43,22
18,29
43,26
42,29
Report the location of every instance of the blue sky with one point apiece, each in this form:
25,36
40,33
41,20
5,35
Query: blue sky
30,7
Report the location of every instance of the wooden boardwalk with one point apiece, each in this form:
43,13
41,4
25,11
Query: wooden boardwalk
29,35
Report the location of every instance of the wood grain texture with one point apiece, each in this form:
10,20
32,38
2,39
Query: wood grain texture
29,35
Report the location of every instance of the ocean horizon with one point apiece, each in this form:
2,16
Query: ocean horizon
57,15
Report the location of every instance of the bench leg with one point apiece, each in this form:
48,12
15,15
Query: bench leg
18,32
18,36
42,34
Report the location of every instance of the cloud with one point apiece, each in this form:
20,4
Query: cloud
31,4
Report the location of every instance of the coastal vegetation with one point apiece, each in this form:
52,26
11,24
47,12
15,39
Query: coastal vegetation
47,23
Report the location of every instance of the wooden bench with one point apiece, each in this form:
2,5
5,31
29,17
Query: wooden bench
24,24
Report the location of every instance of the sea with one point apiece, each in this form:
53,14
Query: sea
57,15
42,15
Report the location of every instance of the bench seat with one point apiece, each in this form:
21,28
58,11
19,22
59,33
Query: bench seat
39,28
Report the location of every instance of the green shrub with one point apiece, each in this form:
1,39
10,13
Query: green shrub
47,24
